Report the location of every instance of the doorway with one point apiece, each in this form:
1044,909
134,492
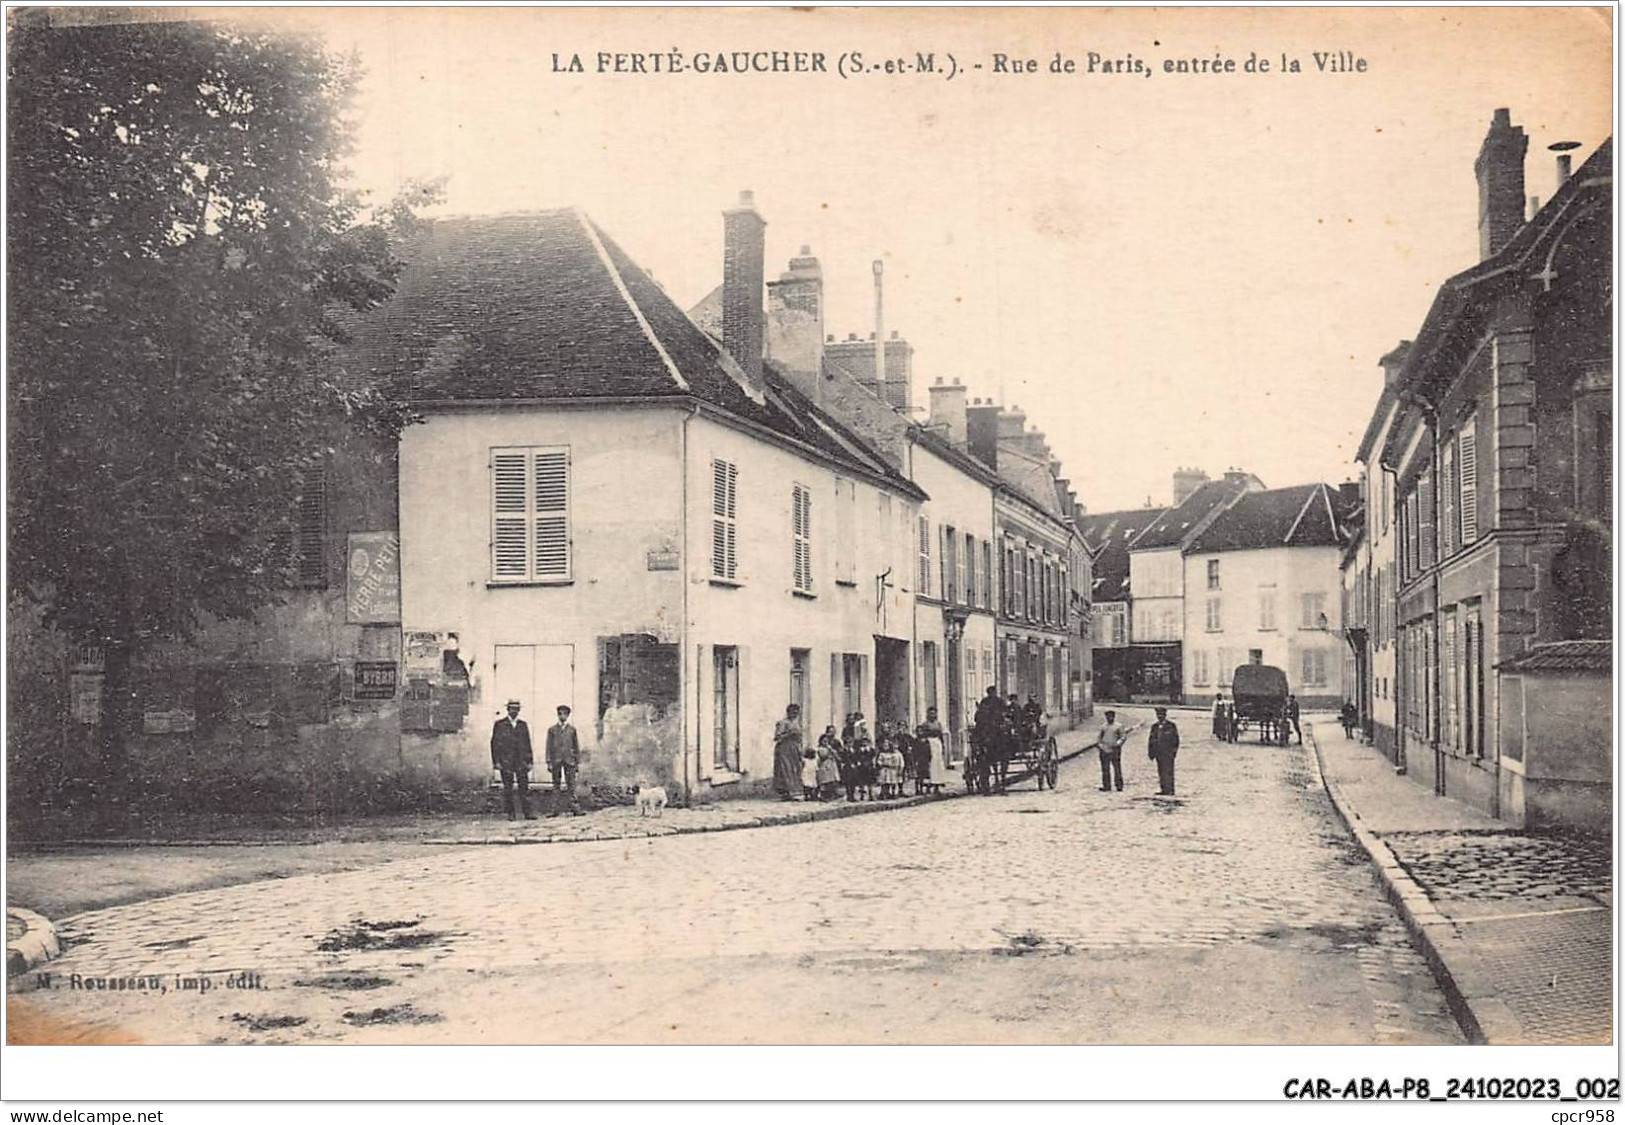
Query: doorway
891,680
800,692
541,677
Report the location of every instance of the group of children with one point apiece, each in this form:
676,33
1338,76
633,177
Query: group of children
866,768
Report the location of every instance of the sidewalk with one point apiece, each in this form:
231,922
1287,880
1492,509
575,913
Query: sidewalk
1518,928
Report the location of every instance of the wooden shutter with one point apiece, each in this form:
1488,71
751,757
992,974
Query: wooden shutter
801,533
1424,522
510,517
961,594
1467,472
552,513
1448,494
724,511
925,558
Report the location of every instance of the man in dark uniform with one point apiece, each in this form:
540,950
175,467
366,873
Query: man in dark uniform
1164,746
1033,714
511,756
1292,717
563,758
986,731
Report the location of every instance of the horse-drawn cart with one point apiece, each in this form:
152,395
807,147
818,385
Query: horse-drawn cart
1030,750
1259,692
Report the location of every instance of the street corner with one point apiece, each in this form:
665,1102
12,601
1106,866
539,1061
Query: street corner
30,939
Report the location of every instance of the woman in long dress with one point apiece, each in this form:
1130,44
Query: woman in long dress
787,754
933,749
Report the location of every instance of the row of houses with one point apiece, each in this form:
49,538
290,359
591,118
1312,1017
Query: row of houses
1478,586
1231,573
676,523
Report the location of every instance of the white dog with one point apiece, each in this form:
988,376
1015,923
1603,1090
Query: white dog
651,797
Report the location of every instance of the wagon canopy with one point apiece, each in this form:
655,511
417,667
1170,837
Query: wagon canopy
1258,681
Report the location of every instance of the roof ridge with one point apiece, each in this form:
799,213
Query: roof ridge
626,295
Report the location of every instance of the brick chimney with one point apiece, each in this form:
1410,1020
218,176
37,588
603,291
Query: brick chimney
795,324
1187,481
982,431
1499,169
743,250
948,410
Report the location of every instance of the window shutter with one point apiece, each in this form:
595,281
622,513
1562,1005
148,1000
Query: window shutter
1448,493
801,536
987,575
961,594
925,557
552,477
724,508
510,517
1424,494
1468,472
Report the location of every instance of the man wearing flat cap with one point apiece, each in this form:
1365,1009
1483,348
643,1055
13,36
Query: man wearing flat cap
563,757
511,757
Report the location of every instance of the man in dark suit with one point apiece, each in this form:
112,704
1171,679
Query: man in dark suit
511,756
1164,747
563,757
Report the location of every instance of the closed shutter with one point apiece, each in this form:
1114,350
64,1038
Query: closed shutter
1467,468
1424,494
961,593
552,476
530,514
724,512
801,533
510,518
925,557
1447,501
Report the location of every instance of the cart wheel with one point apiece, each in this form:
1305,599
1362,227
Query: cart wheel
1053,766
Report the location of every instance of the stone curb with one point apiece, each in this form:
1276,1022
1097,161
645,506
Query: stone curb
1468,985
38,942
773,820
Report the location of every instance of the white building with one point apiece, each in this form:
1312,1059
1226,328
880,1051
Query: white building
1263,586
1379,564
611,511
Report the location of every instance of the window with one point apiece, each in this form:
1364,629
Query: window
1266,609
801,532
1467,481
1424,521
925,558
310,530
1314,612
1212,574
724,520
1314,667
530,514
950,582
846,539
1215,618
1199,668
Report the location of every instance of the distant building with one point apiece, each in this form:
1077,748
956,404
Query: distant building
1262,586
1108,536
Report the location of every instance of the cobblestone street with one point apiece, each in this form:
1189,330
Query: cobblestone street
1238,912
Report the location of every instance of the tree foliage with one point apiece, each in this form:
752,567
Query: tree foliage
183,258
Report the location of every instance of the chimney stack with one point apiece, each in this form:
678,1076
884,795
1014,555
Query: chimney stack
1499,169
743,252
795,324
1187,481
948,410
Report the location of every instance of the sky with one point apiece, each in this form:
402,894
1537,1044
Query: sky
1159,269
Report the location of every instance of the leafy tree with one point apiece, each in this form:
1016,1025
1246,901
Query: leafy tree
183,258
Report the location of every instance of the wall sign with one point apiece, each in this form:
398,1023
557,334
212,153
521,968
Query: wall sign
372,591
376,679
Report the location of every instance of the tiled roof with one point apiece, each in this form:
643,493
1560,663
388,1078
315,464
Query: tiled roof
1174,524
544,305
1564,656
1107,535
1301,516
